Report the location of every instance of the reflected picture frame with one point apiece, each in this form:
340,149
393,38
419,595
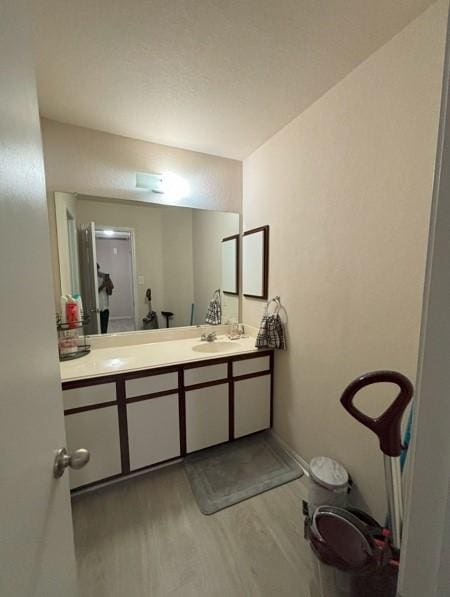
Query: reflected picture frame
230,264
255,263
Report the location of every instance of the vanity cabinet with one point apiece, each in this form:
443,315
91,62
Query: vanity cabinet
251,405
132,421
97,429
207,417
153,431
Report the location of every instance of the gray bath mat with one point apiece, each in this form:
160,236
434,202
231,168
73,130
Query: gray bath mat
229,473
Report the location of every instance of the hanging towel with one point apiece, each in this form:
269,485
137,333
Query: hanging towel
271,330
214,313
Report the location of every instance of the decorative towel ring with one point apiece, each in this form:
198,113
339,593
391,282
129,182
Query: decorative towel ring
277,301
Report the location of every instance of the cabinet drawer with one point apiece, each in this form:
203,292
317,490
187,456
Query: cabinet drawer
153,430
87,395
255,365
97,431
151,384
207,419
204,374
251,405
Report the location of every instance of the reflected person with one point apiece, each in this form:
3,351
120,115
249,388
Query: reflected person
105,288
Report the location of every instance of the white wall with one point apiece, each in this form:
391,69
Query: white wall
177,265
93,163
346,190
66,202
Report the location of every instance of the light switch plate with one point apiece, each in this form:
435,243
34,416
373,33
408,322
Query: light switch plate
141,280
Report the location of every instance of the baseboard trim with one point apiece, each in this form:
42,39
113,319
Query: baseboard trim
127,477
301,461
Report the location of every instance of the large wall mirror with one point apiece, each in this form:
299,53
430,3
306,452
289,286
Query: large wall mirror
148,265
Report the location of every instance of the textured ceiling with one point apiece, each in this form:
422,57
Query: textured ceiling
218,76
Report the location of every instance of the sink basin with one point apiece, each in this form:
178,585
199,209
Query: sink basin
212,347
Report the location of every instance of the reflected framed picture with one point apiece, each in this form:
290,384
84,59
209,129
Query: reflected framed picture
230,264
255,262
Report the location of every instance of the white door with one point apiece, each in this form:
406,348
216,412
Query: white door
36,547
88,272
425,562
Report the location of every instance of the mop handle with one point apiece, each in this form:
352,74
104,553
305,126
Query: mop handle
387,426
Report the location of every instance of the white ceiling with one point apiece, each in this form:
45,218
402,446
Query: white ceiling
218,76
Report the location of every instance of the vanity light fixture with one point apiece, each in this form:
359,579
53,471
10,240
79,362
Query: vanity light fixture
172,185
108,232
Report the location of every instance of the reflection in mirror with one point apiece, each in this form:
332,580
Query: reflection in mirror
230,264
143,265
255,262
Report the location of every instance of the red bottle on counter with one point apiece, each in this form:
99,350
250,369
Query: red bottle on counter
72,314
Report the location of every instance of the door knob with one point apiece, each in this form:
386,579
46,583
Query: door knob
63,459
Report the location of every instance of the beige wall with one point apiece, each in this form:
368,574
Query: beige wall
177,263
66,203
93,163
208,230
346,190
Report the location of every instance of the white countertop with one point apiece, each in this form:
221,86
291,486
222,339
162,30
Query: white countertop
123,359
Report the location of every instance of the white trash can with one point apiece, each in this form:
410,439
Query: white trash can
329,483
328,486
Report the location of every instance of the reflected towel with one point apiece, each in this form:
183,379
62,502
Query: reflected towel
271,332
214,313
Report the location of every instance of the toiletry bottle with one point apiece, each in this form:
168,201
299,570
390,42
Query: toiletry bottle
62,314
72,313
77,297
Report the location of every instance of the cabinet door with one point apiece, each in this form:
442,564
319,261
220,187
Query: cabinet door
98,431
153,430
88,395
251,405
207,417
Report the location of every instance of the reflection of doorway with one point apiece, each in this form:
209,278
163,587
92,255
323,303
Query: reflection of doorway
114,250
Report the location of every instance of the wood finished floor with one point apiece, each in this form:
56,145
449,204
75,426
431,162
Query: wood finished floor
147,537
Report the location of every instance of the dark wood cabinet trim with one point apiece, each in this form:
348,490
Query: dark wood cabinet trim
230,401
151,396
150,372
250,375
121,403
206,384
89,381
252,355
272,362
205,363
182,411
80,409
123,427
98,483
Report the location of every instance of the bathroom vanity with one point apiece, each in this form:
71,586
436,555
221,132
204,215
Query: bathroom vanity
139,416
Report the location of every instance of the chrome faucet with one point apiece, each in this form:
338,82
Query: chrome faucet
236,331
209,337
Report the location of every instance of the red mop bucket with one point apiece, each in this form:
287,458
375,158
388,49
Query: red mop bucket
387,426
350,540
